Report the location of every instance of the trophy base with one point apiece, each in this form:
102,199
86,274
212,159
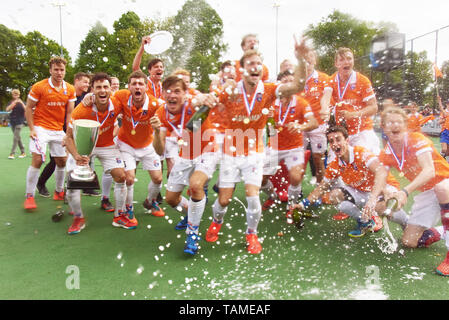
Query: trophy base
73,184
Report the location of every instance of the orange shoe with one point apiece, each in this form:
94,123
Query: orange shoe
154,207
122,221
212,232
253,244
340,216
77,225
379,224
29,203
443,268
58,196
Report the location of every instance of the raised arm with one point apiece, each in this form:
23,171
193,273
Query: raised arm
138,57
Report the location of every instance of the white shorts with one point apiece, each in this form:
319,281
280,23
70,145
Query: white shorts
48,137
147,156
109,157
246,168
292,158
171,148
367,139
317,139
184,168
425,210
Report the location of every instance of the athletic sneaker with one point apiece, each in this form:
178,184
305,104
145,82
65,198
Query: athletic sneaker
268,204
340,216
362,228
130,214
23,155
106,205
154,207
43,191
58,196
191,246
379,223
182,225
428,237
443,268
11,156
212,232
252,244
29,203
78,224
123,222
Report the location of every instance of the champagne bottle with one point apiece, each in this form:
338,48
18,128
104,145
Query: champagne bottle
198,118
298,218
392,206
271,127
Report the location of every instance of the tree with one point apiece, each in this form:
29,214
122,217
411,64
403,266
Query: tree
198,42
418,81
443,84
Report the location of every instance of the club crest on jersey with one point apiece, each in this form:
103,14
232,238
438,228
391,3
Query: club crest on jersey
189,111
144,112
112,114
292,110
353,86
118,160
259,97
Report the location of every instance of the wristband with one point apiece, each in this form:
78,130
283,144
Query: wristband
306,203
405,191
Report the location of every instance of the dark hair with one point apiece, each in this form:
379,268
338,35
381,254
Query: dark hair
225,64
284,74
172,80
100,76
137,75
334,129
153,62
57,60
80,75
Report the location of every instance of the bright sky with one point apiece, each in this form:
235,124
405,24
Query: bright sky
239,18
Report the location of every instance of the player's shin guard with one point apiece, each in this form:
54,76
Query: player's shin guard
120,196
32,178
195,212
74,200
153,190
218,211
294,193
59,178
253,214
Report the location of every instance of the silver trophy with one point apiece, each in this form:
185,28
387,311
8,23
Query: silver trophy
85,134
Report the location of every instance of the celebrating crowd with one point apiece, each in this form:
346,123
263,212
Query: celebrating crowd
251,125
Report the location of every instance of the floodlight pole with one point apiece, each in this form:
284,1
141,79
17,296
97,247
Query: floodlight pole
60,4
276,5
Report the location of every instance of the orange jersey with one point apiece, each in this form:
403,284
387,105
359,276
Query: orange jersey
356,173
191,144
238,72
154,89
352,96
51,104
314,89
445,124
106,118
136,120
296,111
415,144
246,118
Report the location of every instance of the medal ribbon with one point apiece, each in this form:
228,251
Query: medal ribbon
181,126
340,94
153,86
249,108
104,120
282,118
134,123
401,162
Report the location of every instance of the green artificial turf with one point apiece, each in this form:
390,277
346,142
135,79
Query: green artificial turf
320,262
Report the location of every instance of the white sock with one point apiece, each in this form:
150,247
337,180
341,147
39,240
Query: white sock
195,213
106,184
74,200
183,205
268,189
129,195
400,217
153,190
294,193
253,214
32,178
120,196
218,211
59,178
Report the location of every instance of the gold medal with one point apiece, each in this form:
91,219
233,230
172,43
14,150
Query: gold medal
133,132
246,121
280,129
180,142
401,174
